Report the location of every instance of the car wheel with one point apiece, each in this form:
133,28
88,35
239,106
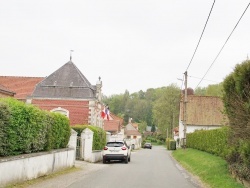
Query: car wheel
103,160
126,160
129,158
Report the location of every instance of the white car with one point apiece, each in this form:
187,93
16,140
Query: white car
116,150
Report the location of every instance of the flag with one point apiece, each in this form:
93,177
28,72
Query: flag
105,112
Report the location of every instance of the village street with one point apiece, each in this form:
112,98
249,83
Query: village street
148,168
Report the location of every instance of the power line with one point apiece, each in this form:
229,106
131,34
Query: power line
201,35
224,44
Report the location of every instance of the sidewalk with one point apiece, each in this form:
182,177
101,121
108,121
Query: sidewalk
65,180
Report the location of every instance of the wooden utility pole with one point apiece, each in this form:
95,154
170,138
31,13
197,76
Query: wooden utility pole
185,112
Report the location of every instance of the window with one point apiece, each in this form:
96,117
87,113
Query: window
61,111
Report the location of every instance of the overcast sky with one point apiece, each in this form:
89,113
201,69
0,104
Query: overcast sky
131,44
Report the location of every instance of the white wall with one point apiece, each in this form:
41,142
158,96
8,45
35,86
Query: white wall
26,167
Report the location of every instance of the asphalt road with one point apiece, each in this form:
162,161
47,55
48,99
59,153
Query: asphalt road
149,168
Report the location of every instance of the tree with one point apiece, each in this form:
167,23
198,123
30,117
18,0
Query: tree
153,129
166,109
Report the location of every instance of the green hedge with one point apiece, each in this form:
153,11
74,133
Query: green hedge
26,129
212,141
216,142
171,144
99,137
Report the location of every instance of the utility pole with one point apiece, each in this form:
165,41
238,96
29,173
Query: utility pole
185,112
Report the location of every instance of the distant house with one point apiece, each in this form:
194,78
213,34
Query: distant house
203,112
5,92
113,125
66,91
133,135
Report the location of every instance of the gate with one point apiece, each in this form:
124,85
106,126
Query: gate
78,148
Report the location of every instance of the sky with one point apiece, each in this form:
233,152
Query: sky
131,44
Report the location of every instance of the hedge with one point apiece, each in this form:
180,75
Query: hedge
25,128
99,137
212,141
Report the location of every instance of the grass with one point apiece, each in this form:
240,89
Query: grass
42,178
211,170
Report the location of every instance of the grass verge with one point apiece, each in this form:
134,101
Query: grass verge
211,170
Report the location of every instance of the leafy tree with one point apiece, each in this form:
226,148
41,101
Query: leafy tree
142,127
210,90
166,109
153,129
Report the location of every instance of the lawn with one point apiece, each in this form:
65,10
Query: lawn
211,170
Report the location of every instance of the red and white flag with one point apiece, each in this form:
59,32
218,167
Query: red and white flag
105,112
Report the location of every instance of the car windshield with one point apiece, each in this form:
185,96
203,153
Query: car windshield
114,144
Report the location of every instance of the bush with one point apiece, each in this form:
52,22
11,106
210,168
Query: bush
99,137
26,129
212,141
60,130
171,144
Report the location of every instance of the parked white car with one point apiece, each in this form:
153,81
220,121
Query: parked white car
116,150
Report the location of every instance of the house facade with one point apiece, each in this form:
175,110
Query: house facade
66,91
203,112
132,135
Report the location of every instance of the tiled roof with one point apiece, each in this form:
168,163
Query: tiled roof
130,130
4,89
204,110
22,86
111,125
66,82
114,124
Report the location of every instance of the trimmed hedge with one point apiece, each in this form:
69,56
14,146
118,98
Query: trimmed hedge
216,142
171,144
25,128
99,137
212,141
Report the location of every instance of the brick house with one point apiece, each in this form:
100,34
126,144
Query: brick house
203,112
66,91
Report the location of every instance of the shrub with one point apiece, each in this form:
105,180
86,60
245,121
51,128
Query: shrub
99,137
212,141
26,129
60,130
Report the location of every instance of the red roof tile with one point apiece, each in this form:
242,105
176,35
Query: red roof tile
22,86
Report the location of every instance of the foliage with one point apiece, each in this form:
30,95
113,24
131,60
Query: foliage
166,109
171,144
212,141
142,127
210,90
99,137
236,98
27,129
60,130
212,170
4,123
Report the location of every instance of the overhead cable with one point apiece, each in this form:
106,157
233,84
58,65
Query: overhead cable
201,35
224,44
